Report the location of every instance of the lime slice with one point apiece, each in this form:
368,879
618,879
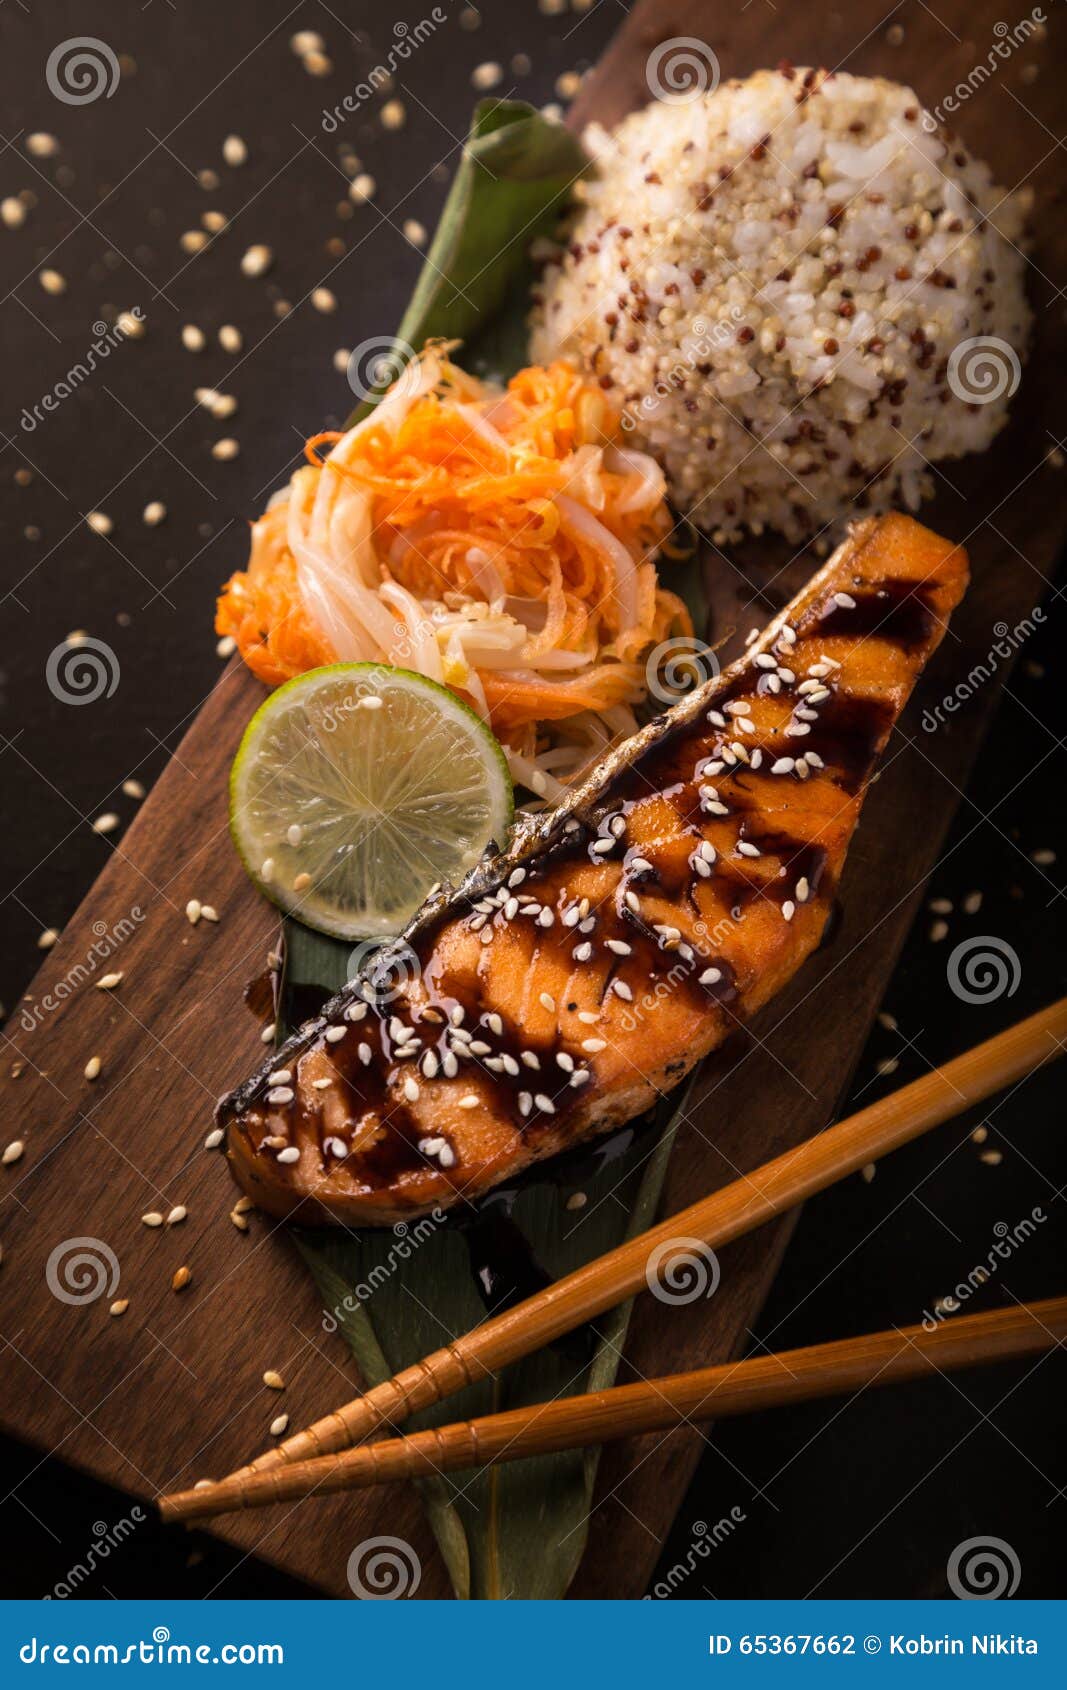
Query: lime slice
356,788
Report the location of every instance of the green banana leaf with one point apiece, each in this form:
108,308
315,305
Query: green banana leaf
515,1531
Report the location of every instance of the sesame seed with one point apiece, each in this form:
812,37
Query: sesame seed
593,1045
181,1279
362,188
119,1306
486,75
323,300
47,939
525,1102
845,601
747,849
52,281
620,947
364,1053
623,991
13,211
192,911
231,338
177,1215
108,982
214,1138
565,1062
547,1001
938,931
334,1035
93,1067
711,977
225,450
193,338
234,151
545,1104
803,890
279,1096
530,1058
469,1102
289,1155
411,1090
106,823
153,1218
278,1425
789,909
257,260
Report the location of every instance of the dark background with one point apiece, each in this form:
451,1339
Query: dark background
866,1497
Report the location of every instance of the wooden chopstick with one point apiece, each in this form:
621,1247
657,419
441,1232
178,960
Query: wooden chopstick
770,1381
735,1209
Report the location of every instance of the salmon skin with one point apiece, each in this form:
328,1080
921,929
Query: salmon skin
586,969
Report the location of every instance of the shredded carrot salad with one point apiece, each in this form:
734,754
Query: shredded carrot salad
498,540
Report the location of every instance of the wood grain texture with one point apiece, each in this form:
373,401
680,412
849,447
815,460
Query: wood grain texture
172,1390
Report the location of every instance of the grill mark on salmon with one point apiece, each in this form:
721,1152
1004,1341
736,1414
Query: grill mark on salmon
622,936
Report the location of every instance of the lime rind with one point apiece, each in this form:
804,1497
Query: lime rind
390,782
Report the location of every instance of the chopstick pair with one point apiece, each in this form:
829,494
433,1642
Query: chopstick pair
656,1405
736,1209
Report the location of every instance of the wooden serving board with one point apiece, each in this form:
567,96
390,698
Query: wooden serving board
172,1391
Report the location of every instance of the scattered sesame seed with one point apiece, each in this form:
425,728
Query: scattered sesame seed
214,1138
938,931
868,1172
289,1155
181,1279
486,75
888,1065
415,232
230,338
93,1067
108,982
12,1152
12,211
323,300
306,41
547,1001
362,188
47,939
225,450
273,1380
992,1158
576,1200
257,260
107,823
193,240
52,281
980,1134
278,1425
393,114
1043,858
193,911
177,1215
99,523
469,1102
193,338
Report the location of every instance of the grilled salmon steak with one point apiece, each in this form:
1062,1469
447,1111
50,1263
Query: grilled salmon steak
621,936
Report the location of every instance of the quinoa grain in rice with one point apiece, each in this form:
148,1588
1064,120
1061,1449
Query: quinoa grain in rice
781,282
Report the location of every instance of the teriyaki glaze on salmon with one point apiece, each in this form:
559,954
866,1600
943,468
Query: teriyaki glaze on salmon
620,937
